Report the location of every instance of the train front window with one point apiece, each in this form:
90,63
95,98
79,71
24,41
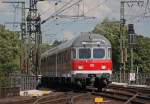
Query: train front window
74,53
98,53
109,53
84,53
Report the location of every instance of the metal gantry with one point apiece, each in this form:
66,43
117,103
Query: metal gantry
34,37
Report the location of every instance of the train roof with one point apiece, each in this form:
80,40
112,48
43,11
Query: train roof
79,41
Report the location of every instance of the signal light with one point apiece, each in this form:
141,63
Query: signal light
131,29
131,35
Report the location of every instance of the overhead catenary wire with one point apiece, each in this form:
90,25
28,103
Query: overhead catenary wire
142,15
95,7
83,14
47,10
65,7
67,3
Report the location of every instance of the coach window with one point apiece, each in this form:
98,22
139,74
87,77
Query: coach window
84,53
73,53
59,59
98,53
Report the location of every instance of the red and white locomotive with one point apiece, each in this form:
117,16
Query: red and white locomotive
83,61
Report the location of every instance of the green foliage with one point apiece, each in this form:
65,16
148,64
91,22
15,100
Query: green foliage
142,53
45,47
3,80
57,42
111,30
9,52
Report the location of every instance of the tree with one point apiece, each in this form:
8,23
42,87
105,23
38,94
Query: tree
45,47
56,42
9,52
142,53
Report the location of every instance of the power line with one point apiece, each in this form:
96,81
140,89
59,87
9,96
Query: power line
140,13
62,9
96,6
45,11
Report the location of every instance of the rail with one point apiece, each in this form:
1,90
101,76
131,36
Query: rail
66,98
127,95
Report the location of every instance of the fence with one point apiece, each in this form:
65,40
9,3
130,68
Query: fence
131,78
18,82
25,82
7,92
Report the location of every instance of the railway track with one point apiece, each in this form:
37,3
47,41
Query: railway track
142,90
68,98
33,100
55,98
128,95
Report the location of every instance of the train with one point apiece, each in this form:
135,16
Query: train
82,61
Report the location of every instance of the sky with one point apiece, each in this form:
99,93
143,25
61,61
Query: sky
94,11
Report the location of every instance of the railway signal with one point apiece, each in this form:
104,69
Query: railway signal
123,48
131,35
131,42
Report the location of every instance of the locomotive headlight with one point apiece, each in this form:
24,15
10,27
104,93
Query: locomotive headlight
103,67
80,67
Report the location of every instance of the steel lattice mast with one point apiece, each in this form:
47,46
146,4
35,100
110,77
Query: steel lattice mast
34,37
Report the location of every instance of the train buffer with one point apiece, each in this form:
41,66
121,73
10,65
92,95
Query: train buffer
34,93
100,100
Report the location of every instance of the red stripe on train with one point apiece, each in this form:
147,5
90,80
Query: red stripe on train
91,64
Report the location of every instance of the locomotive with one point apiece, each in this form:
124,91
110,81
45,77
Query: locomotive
83,61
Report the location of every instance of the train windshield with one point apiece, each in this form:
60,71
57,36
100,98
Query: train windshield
73,53
109,53
98,53
84,53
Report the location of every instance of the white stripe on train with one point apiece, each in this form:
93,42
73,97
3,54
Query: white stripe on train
92,72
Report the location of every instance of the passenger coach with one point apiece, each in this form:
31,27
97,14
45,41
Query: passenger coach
84,60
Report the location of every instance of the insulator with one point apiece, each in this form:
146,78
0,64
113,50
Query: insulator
56,3
123,21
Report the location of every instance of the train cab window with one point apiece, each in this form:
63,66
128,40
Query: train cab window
109,53
98,53
73,53
84,53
